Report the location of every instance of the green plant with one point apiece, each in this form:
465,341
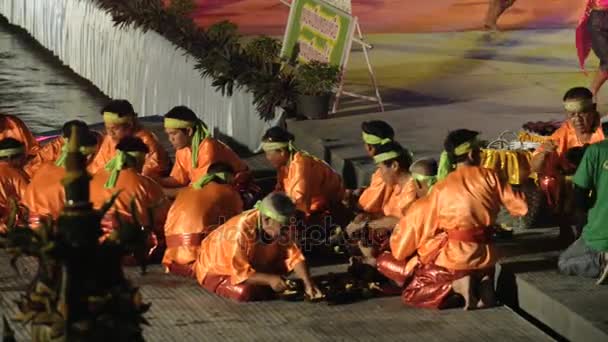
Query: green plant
316,78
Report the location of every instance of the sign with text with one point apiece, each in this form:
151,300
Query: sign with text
321,32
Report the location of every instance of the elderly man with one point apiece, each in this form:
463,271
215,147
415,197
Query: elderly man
248,255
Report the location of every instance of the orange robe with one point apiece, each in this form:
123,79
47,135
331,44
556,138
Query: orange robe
401,198
310,183
565,138
13,127
234,250
374,197
12,186
157,160
47,153
467,200
193,215
211,151
45,195
50,152
147,193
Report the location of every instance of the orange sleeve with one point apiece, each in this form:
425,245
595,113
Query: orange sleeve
157,201
179,172
293,256
241,269
298,183
374,197
157,160
24,134
21,185
514,202
418,225
47,153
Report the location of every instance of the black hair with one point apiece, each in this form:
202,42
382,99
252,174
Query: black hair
405,158
182,113
132,144
121,107
379,128
220,167
66,130
578,93
277,134
89,138
456,138
9,143
430,164
575,154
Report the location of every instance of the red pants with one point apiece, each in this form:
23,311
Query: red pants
220,285
392,268
182,270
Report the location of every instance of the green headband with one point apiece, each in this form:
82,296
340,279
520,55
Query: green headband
268,212
114,118
371,139
577,105
118,163
446,165
382,157
9,152
273,146
200,133
208,178
85,150
430,180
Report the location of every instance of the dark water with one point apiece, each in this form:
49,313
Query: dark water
35,85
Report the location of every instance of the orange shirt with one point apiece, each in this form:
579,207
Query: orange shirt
565,138
147,193
45,195
198,211
12,127
157,160
211,151
401,198
234,250
374,197
12,186
50,152
310,183
469,198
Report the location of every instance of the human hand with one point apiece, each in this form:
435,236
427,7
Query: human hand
277,283
313,292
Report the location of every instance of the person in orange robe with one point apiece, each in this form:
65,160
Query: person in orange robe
316,189
424,173
45,195
375,133
121,121
123,173
196,211
248,255
54,149
447,233
196,150
12,180
549,160
373,229
12,127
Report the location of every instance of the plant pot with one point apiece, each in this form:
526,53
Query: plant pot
313,106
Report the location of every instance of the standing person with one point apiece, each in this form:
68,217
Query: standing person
592,34
12,180
12,127
121,121
495,9
588,255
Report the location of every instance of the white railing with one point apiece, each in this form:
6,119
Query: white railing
144,68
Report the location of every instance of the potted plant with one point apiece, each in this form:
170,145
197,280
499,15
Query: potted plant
315,83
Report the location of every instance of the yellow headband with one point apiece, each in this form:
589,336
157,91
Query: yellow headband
272,146
118,163
268,212
208,178
113,118
578,105
9,152
371,139
85,150
178,124
382,157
